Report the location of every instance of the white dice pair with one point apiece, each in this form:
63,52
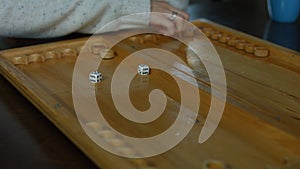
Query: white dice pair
96,76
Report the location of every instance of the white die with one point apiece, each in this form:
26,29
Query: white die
95,77
143,69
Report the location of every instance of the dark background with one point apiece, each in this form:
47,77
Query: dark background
29,140
249,16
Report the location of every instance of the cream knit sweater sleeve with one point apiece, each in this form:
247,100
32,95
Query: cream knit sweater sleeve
52,18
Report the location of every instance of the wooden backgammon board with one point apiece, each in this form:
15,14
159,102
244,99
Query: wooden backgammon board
259,127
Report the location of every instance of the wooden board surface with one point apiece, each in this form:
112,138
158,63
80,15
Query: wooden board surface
259,128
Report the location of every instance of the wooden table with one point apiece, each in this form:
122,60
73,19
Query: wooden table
260,120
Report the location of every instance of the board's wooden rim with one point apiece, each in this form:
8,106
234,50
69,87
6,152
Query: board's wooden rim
279,55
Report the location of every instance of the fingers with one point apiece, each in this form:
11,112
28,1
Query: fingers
164,22
163,7
180,13
164,25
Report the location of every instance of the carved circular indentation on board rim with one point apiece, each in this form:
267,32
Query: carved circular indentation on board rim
213,164
107,54
261,52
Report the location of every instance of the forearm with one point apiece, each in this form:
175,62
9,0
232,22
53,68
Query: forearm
25,18
179,4
117,9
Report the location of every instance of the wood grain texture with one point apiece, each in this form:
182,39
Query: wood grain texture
260,125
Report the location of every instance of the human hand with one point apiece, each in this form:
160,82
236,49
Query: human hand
163,22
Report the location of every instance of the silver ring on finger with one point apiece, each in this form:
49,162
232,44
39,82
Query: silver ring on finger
174,15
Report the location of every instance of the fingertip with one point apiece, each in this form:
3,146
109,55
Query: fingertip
186,15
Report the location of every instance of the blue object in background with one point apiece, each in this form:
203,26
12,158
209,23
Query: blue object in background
284,34
284,10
